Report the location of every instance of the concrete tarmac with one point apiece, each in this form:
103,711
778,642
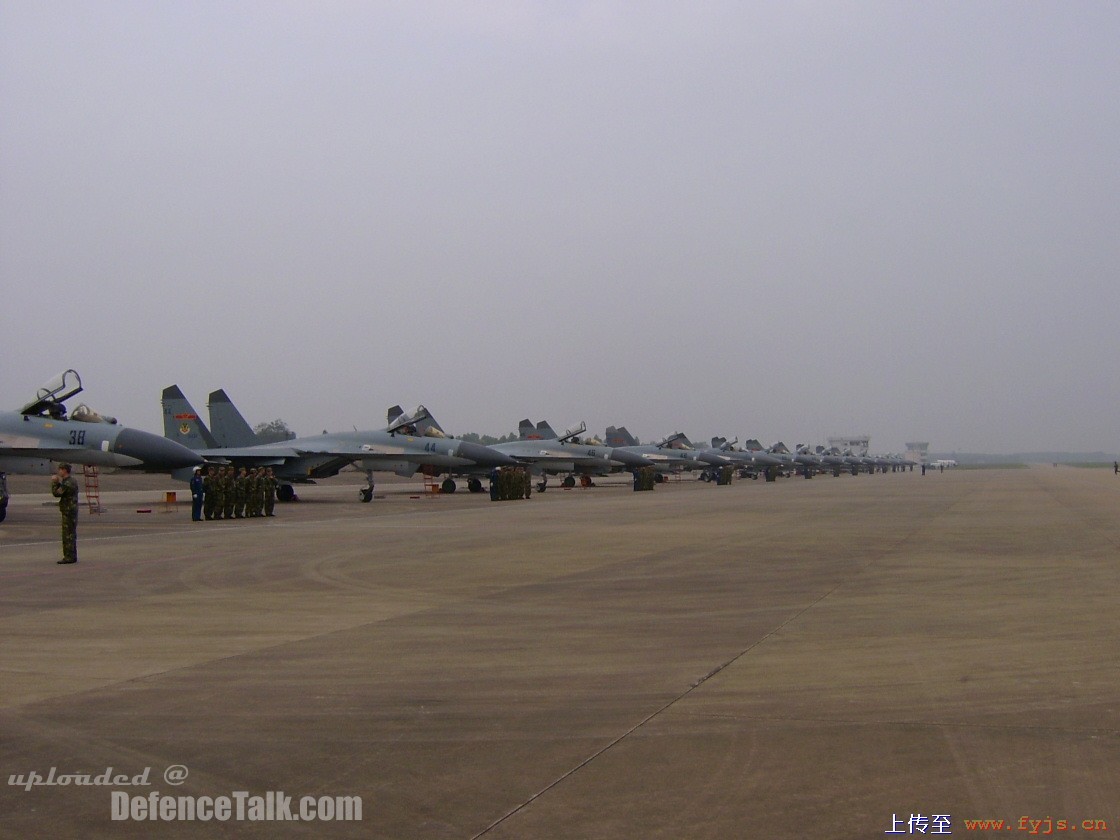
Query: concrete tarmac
804,659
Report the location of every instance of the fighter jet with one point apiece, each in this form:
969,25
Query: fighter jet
669,455
548,453
750,462
397,448
791,462
40,433
809,463
842,462
833,461
777,463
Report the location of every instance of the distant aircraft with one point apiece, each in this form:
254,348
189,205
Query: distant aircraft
398,448
752,461
40,435
833,461
669,455
550,454
780,451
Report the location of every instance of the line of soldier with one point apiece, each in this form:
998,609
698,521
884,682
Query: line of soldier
645,478
507,483
229,494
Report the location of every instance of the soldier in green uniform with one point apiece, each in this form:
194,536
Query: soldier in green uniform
262,490
220,494
3,495
269,493
250,490
263,493
208,493
252,493
240,493
229,486
252,487
65,489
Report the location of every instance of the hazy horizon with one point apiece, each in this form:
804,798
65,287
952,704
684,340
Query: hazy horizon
779,221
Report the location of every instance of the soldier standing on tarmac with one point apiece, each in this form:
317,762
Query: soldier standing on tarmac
229,488
269,493
255,503
198,491
65,489
222,504
240,493
208,492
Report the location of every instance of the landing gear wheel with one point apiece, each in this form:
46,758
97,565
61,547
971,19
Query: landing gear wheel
474,485
285,492
541,486
366,494
658,478
448,486
569,481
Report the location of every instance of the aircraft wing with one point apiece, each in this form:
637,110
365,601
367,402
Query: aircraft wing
258,456
73,454
549,455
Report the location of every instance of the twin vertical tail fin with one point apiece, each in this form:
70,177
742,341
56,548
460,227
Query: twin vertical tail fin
227,424
619,436
419,422
181,422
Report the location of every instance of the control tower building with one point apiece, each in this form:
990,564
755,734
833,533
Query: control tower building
918,452
858,444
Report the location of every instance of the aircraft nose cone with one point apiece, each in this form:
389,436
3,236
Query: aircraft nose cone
711,458
485,456
154,452
630,459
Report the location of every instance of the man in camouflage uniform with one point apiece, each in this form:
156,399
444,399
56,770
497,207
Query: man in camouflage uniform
229,486
252,493
261,493
65,489
3,495
209,492
269,493
240,493
217,485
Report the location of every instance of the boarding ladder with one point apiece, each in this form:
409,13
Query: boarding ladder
93,487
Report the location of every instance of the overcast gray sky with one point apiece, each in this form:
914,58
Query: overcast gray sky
775,220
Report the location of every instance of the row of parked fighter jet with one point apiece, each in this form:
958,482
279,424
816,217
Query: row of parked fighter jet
42,433
413,442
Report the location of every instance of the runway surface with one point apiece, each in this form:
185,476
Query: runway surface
804,659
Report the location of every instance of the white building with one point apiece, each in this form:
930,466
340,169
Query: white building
859,445
918,452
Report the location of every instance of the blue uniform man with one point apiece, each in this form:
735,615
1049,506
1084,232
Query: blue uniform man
198,495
